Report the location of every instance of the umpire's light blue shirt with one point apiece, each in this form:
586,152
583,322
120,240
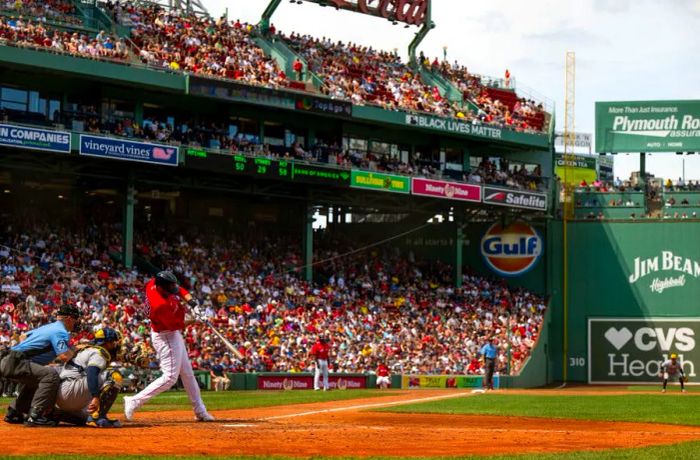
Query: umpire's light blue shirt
48,341
489,351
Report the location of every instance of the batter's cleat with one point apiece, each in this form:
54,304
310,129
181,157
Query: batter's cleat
13,417
204,417
683,390
129,408
663,391
40,421
102,422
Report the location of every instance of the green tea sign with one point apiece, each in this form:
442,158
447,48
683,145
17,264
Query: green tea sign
632,350
647,126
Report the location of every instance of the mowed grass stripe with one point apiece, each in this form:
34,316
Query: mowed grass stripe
680,409
681,451
229,400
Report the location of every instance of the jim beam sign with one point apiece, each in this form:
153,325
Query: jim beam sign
665,271
631,350
412,12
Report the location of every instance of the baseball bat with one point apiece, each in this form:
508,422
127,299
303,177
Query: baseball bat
228,344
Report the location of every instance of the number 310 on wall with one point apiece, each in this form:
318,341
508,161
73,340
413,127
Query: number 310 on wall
577,361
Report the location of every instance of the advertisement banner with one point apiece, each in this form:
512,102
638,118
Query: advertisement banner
306,382
34,139
632,350
380,182
121,149
325,106
515,198
580,139
413,382
240,92
647,126
447,190
580,167
512,250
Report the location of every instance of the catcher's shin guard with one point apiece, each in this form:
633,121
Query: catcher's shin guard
108,394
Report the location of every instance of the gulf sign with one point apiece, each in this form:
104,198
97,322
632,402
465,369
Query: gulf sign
512,250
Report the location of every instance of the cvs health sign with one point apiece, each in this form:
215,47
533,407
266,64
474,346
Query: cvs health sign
631,350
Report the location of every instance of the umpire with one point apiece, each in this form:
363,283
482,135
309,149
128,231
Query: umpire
489,352
26,363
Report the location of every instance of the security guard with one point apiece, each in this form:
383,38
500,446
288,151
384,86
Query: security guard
26,363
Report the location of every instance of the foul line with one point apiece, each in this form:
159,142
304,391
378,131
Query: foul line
362,406
366,406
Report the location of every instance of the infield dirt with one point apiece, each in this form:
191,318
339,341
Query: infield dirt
341,428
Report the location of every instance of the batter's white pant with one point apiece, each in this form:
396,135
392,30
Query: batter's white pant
174,363
321,367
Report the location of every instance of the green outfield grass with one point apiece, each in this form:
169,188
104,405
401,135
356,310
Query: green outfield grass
675,408
177,400
672,388
682,451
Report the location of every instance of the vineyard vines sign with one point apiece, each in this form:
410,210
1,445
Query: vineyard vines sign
666,262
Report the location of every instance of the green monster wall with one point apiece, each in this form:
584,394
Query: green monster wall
636,285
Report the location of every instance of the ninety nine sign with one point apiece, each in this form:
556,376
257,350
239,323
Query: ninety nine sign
647,126
380,182
412,12
631,350
34,139
306,382
515,198
448,190
120,149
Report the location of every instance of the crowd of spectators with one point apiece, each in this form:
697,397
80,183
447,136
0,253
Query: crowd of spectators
681,185
524,114
43,11
218,48
512,176
364,75
36,34
377,307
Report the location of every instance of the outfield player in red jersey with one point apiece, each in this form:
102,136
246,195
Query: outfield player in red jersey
383,380
167,315
319,352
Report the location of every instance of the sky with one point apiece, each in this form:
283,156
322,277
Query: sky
625,50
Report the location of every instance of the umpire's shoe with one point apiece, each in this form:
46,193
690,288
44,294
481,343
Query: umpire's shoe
13,416
102,422
39,420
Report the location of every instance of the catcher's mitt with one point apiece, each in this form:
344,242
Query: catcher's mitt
138,355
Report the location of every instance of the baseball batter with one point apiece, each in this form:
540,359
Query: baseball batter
167,315
88,389
671,369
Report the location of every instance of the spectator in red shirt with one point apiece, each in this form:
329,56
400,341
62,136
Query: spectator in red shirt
298,68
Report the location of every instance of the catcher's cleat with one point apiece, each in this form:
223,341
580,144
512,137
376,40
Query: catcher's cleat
103,422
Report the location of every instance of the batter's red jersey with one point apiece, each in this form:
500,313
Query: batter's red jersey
320,350
165,313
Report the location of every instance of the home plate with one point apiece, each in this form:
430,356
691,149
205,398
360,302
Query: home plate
238,425
478,391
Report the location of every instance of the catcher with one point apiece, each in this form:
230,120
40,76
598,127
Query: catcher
672,369
88,387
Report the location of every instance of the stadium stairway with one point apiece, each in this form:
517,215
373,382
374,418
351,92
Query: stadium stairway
285,57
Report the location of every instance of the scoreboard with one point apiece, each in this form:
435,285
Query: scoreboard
269,168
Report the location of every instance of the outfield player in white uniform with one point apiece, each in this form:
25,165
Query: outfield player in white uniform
671,369
88,389
167,315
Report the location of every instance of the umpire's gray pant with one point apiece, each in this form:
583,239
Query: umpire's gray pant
39,383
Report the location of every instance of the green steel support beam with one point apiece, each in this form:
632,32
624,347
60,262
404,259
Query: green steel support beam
642,168
420,36
267,15
128,226
308,243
